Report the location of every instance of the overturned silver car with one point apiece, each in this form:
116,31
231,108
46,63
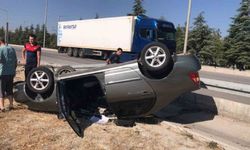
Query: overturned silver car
132,89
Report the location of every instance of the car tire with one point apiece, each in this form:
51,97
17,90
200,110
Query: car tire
64,70
82,53
75,52
70,52
155,57
40,80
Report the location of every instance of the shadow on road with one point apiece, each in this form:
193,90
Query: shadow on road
189,108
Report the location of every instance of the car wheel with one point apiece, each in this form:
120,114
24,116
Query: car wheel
155,57
70,52
40,80
82,53
64,70
75,52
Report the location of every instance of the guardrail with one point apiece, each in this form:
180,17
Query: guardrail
245,88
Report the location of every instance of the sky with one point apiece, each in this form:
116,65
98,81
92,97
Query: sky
218,13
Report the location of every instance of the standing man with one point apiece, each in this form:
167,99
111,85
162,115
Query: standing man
31,55
8,64
115,57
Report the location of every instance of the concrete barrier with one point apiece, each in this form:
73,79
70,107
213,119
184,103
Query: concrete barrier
217,105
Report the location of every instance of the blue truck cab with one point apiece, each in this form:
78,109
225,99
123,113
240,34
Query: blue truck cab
148,30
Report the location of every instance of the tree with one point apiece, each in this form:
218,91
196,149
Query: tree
97,16
2,31
37,29
20,36
14,36
162,18
39,35
25,34
199,37
31,29
11,37
206,43
138,8
238,41
213,52
180,36
52,41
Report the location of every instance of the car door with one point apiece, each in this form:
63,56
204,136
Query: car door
76,98
67,112
127,93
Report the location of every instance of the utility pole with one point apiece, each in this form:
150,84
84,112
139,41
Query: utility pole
7,33
45,23
7,25
187,26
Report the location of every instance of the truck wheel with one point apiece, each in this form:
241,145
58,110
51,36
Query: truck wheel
60,50
75,52
63,70
155,57
70,52
82,53
40,80
105,55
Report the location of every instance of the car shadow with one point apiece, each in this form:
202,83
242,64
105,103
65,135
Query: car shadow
189,108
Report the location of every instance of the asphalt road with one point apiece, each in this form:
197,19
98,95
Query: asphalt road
54,58
225,77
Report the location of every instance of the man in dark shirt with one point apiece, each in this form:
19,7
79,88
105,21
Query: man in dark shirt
115,57
31,55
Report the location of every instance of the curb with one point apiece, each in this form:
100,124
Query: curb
231,109
217,105
202,135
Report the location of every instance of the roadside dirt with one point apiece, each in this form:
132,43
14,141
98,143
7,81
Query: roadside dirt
24,129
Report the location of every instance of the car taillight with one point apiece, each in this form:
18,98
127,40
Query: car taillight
194,76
